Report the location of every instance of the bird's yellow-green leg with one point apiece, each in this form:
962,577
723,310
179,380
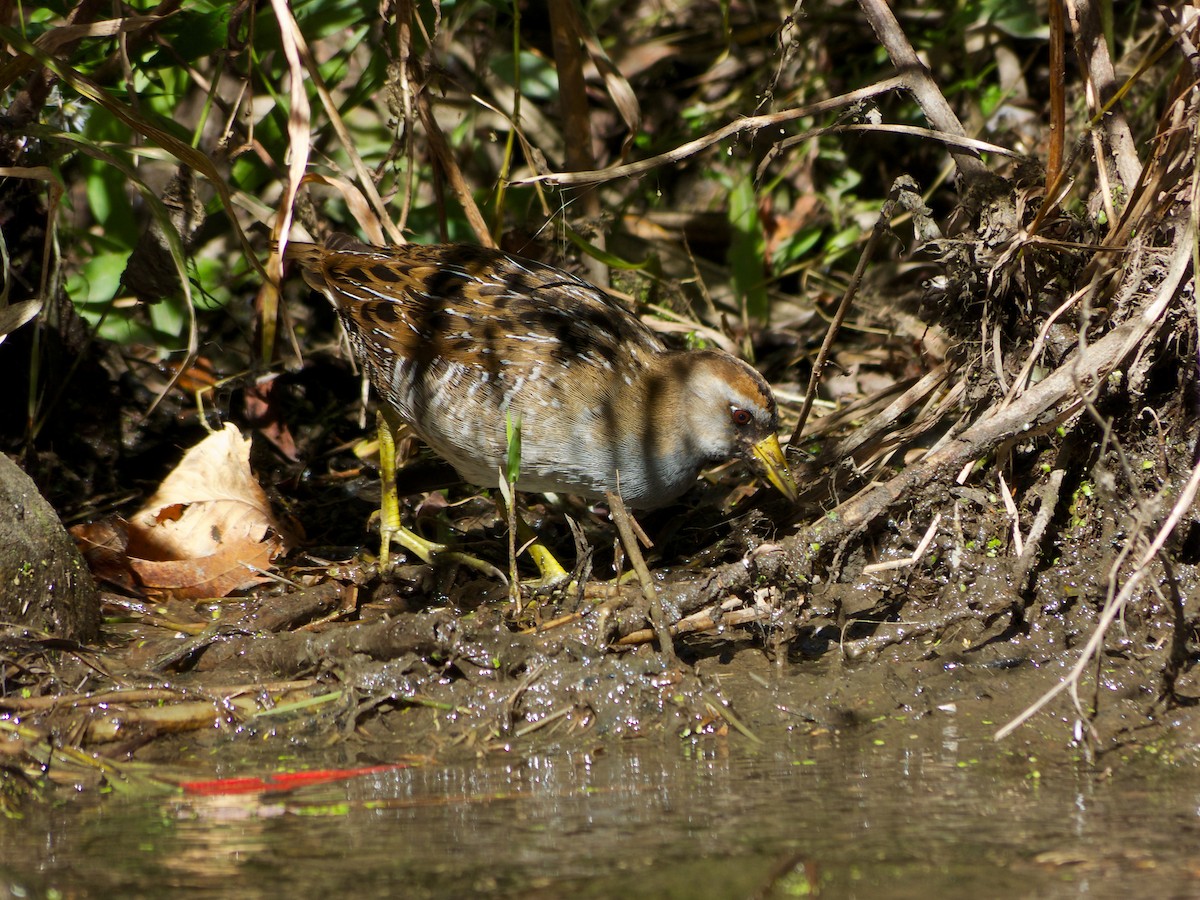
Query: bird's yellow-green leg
389,514
552,571
389,505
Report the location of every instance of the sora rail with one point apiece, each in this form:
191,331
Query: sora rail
458,340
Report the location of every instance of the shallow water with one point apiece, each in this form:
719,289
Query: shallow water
897,809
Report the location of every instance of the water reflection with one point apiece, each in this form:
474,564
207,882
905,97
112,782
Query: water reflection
874,813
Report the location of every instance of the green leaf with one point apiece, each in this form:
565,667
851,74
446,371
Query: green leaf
512,430
609,259
747,248
196,33
96,281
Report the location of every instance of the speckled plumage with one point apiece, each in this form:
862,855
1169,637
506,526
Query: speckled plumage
457,338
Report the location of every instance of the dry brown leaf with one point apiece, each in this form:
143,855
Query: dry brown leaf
207,525
105,548
220,573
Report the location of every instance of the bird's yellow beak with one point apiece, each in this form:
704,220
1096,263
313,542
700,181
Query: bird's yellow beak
770,454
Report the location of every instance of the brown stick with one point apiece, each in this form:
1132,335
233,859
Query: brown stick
658,616
1058,101
567,35
691,148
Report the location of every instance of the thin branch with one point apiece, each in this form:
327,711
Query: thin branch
691,148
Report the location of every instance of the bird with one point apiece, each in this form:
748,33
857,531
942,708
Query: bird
461,341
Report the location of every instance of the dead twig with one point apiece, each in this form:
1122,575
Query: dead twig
146,695
691,148
719,615
914,558
629,538
1049,500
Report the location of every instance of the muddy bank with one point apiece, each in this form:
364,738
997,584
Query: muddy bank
179,682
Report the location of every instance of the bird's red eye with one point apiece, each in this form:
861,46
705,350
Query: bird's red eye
741,417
